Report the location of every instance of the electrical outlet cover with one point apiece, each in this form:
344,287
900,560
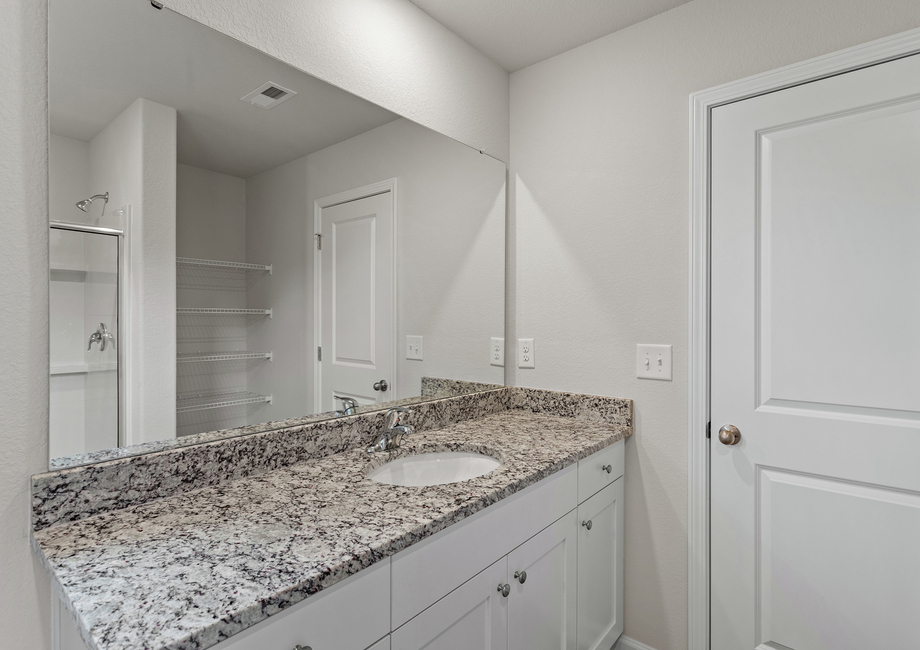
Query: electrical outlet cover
653,362
526,354
497,352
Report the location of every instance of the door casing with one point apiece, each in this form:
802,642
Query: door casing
388,185
701,105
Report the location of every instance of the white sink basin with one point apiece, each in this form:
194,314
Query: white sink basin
434,469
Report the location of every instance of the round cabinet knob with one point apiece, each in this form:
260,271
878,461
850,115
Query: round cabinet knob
729,435
607,468
521,576
587,524
302,647
504,590
381,385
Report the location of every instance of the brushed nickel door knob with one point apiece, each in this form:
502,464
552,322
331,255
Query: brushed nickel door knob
729,435
381,386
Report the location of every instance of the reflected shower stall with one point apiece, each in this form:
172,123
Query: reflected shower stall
86,351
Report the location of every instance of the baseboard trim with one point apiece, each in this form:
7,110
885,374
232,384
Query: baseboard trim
627,643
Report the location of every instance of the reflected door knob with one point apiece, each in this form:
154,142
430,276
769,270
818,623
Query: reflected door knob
381,385
729,435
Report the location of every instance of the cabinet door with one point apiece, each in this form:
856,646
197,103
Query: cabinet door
600,569
474,615
541,610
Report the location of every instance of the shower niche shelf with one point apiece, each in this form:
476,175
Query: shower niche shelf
221,311
219,400
240,266
201,357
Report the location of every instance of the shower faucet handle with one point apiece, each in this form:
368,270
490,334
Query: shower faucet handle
101,336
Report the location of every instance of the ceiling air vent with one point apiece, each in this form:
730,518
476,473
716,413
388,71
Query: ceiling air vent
269,95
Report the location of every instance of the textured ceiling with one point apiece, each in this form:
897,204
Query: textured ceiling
104,54
518,33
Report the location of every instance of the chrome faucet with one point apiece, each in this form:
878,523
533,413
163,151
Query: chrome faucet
100,336
350,405
392,437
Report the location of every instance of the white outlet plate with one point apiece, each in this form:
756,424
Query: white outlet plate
497,352
414,348
653,362
526,353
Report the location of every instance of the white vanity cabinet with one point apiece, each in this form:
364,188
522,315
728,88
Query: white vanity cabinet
600,568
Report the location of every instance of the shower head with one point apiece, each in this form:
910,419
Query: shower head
85,203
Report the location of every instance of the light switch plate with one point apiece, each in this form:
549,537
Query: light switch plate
653,362
414,348
526,353
497,352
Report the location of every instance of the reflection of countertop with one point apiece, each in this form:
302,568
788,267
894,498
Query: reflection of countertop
190,570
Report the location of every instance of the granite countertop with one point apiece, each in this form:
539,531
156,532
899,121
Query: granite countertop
191,570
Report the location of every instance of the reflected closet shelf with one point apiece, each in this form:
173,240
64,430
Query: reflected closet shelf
242,266
209,311
218,400
192,357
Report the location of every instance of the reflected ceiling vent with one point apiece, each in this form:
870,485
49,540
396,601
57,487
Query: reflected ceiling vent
268,95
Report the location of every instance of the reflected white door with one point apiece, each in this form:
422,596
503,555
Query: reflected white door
815,513
357,301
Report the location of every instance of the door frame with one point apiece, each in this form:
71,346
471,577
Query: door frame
388,185
701,105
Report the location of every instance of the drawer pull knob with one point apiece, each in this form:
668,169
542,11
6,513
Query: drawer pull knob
504,590
607,468
587,524
521,576
302,647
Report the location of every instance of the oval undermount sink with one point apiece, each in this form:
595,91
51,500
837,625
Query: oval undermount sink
435,468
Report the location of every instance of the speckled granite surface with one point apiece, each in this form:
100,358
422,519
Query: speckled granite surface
188,571
432,388
79,492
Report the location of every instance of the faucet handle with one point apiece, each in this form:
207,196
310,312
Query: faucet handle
398,412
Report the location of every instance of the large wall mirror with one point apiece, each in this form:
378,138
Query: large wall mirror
237,246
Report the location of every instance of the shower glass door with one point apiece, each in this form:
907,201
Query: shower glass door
85,340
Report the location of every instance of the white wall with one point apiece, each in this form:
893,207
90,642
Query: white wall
599,161
69,178
134,159
25,595
387,51
279,221
450,256
450,243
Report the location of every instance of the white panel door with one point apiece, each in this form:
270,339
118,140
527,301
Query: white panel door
474,615
600,568
815,513
541,609
357,301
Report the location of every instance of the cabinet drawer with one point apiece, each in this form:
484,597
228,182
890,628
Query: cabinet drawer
434,567
351,614
592,475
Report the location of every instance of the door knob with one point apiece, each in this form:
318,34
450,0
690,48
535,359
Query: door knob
504,590
729,435
521,576
381,385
